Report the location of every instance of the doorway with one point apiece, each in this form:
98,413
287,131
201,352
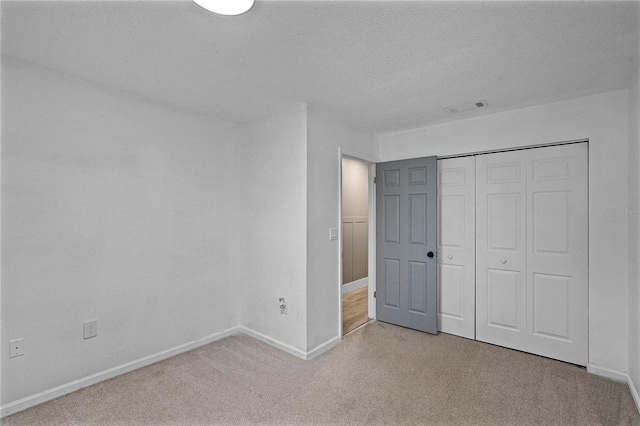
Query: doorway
355,232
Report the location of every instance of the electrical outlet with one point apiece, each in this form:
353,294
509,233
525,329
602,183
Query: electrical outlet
283,306
16,348
90,329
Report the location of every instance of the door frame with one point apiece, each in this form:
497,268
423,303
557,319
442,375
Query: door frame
371,234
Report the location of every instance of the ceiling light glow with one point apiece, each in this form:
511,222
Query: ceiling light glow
226,7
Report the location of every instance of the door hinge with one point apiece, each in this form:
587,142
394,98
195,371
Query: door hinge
375,180
374,294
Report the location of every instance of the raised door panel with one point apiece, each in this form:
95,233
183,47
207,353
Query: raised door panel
557,240
452,297
391,213
391,273
453,224
504,289
551,227
456,247
504,222
418,287
551,307
501,311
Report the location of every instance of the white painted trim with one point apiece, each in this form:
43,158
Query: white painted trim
345,152
58,391
353,219
323,347
634,393
618,376
306,355
48,395
273,342
354,285
339,260
372,240
520,148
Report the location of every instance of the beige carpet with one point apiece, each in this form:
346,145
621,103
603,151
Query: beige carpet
379,374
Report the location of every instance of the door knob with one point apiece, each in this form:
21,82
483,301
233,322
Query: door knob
450,257
430,254
503,261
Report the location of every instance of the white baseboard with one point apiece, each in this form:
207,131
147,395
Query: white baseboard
618,376
58,391
306,355
323,347
634,393
273,342
354,285
30,401
39,398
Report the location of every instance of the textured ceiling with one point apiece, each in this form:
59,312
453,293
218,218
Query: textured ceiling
377,65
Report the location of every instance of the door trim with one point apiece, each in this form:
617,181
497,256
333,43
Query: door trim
520,148
354,285
371,161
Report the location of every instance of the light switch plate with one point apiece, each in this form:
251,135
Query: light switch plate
90,329
333,233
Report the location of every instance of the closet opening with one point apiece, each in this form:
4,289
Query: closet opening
513,245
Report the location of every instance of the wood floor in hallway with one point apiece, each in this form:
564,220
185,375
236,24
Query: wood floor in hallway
354,309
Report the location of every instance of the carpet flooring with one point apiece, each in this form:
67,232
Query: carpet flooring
379,374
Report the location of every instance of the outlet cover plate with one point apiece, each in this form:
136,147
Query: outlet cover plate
283,306
16,348
90,329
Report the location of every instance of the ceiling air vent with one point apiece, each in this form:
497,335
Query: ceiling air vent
466,107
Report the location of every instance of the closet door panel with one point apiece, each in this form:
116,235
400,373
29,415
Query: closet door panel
557,252
501,250
456,246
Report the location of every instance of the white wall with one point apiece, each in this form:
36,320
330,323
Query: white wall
290,168
274,215
603,120
634,235
134,213
325,135
115,208
355,187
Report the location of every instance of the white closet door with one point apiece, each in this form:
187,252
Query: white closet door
501,251
557,252
456,241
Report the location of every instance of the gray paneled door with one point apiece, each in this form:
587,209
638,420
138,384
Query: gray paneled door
406,243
